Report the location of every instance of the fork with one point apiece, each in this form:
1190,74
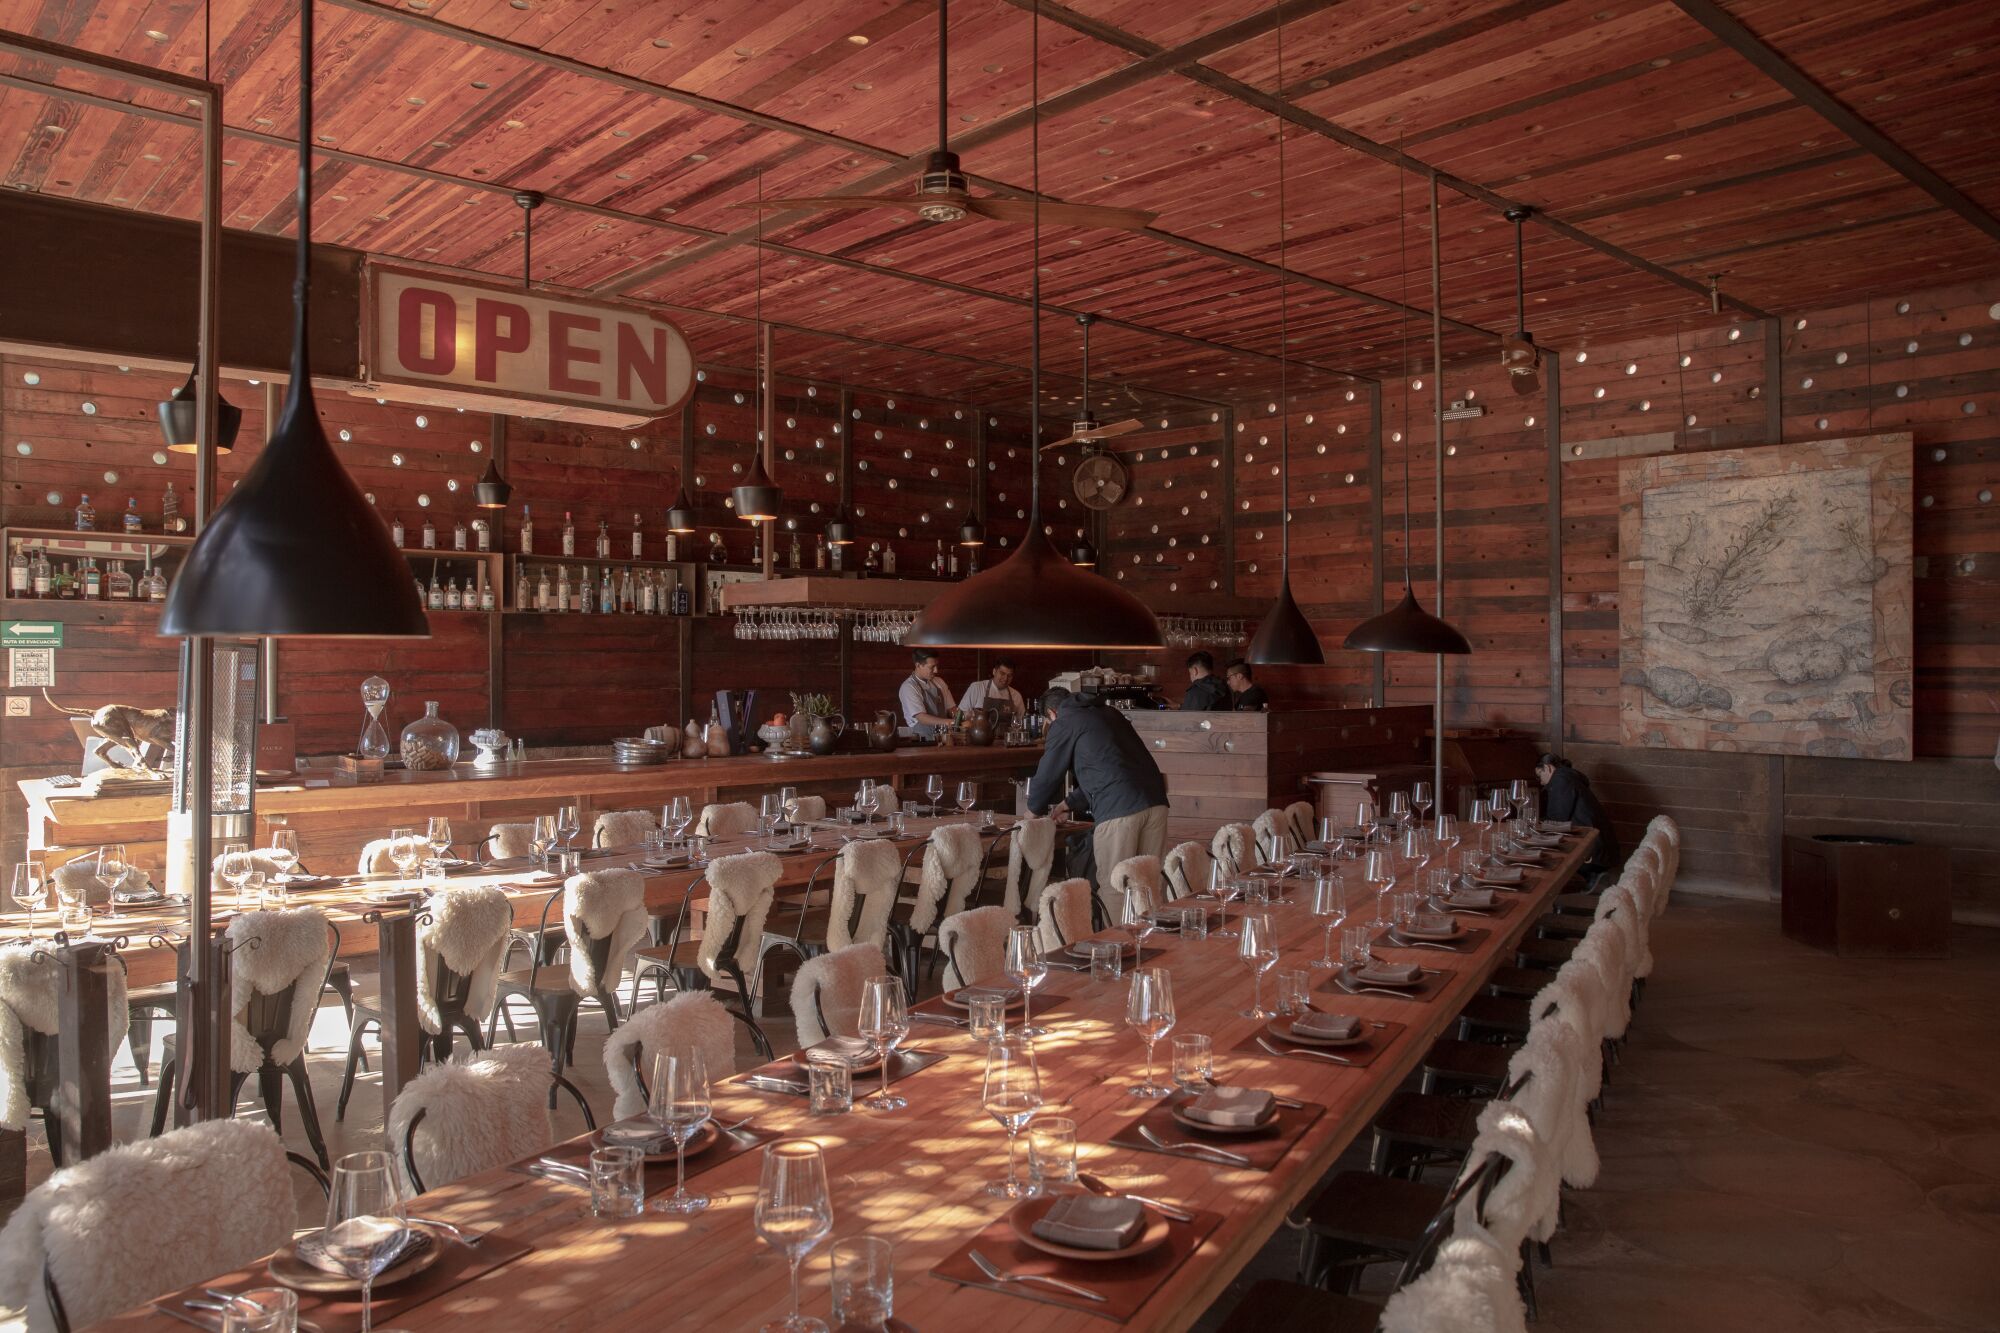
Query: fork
1301,1050
1200,1149
985,1266
1353,988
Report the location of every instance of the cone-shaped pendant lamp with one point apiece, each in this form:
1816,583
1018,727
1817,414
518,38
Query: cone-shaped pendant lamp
1286,637
680,514
296,549
1406,627
1035,598
492,490
758,498
181,424
840,530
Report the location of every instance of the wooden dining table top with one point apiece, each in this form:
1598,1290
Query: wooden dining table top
917,1176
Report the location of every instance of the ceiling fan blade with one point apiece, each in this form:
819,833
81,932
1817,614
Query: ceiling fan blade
1061,215
1111,429
1066,440
908,203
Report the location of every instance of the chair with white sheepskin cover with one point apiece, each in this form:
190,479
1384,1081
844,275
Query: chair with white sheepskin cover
278,962
867,876
808,809
510,842
461,938
692,1018
974,943
726,819
740,890
374,858
1134,872
459,1118
1272,832
623,828
140,1219
30,1016
1064,917
951,871
604,919
826,992
1301,816
78,879
1233,849
1031,851
1185,871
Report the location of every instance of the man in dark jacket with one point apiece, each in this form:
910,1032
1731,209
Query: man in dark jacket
1104,758
1566,795
1206,693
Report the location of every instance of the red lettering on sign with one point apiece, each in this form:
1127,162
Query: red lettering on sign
487,339
419,307
648,365
562,351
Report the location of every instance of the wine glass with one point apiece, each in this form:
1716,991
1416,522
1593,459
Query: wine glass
866,799
110,872
1445,835
1228,888
1136,915
1026,967
769,807
1258,948
934,788
794,1213
968,796
678,814
1149,1011
788,803
1517,795
1329,905
1378,872
364,1222
884,1021
404,850
283,853
437,833
1399,808
542,840
30,890
1420,797
233,866
679,1105
569,823
1011,1094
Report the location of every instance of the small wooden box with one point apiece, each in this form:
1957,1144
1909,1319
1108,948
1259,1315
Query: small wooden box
1867,897
353,768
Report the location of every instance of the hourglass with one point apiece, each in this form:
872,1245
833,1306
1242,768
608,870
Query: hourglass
374,743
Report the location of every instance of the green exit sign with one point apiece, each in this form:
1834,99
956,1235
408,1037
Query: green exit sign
31,634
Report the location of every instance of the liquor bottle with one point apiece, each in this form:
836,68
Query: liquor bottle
607,596
628,597
170,512
569,534
44,577
452,601
458,536
133,522
20,573
683,602
527,532
648,600
819,552
951,563
430,534
603,539
484,532
586,593
937,561
396,533
836,558
542,592
873,560
486,601
118,585
93,582
86,517
436,597
156,585
888,558
673,546
638,537
757,546
524,596
794,561
65,581
562,587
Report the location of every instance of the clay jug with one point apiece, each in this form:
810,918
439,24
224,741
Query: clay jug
718,741
692,746
825,733
882,731
979,727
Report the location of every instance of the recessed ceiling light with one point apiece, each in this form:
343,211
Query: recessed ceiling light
662,43
859,39
156,34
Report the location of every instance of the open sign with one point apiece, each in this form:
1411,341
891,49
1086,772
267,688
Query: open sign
455,342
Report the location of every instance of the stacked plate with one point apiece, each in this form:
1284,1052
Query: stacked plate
639,750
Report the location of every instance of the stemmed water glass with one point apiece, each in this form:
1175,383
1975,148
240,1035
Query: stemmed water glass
1025,967
542,840
679,1105
794,1213
30,890
1399,808
679,813
867,799
788,804
934,789
1011,1094
1420,797
1228,888
110,872
1258,948
1136,915
884,1021
569,823
770,806
1517,796
1329,904
283,853
437,833
968,796
404,850
233,867
1149,1011
364,1222
1378,872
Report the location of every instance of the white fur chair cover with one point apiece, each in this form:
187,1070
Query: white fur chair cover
510,842
479,1114
830,986
1469,1288
869,872
603,905
886,800
974,945
1273,832
145,1218
260,859
694,1018
467,932
29,981
726,819
1622,905
1185,872
79,877
1064,916
1134,872
1031,850
952,862
1233,848
1301,816
1530,1192
740,888
811,808
374,858
623,828
291,952
1604,951
1578,996
1556,1101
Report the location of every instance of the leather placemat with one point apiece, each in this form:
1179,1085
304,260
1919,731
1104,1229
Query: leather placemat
1422,991
1125,1284
1467,941
660,1174
1358,1056
1264,1150
904,1064
340,1312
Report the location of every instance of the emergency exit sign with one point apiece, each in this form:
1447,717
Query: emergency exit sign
31,634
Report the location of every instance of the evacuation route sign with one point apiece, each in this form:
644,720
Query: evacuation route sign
31,633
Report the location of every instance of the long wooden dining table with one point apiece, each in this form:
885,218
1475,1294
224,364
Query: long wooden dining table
917,1176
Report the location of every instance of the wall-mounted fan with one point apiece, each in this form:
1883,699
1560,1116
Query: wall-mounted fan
1100,481
1519,355
1087,429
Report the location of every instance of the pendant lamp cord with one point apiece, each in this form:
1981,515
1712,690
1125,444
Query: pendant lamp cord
527,246
1403,335
1868,352
1284,349
1680,375
1035,273
299,394
944,75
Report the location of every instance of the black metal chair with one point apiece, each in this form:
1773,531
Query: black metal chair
408,1147
555,1002
451,991
690,977
1359,1219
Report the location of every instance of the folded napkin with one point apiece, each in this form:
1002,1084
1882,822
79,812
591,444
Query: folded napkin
1470,897
633,1133
841,1051
1326,1027
1232,1108
135,888
1430,926
1501,874
1377,972
1090,1222
312,1250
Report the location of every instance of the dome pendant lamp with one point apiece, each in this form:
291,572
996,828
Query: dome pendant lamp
1035,598
296,550
758,498
1406,627
1286,637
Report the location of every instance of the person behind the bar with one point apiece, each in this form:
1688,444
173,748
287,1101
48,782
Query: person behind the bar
1103,758
997,692
1246,695
1566,795
926,701
1206,692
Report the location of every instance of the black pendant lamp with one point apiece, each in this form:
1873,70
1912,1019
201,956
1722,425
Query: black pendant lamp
181,423
296,549
1083,555
680,514
492,491
759,497
1035,598
1406,627
1286,637
839,530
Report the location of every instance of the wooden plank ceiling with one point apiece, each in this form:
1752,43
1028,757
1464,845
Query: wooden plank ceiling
1656,154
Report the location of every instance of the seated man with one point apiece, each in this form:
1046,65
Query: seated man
1205,692
1246,695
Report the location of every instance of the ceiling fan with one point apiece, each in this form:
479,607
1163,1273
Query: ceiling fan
1100,481
1086,429
941,190
1519,355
